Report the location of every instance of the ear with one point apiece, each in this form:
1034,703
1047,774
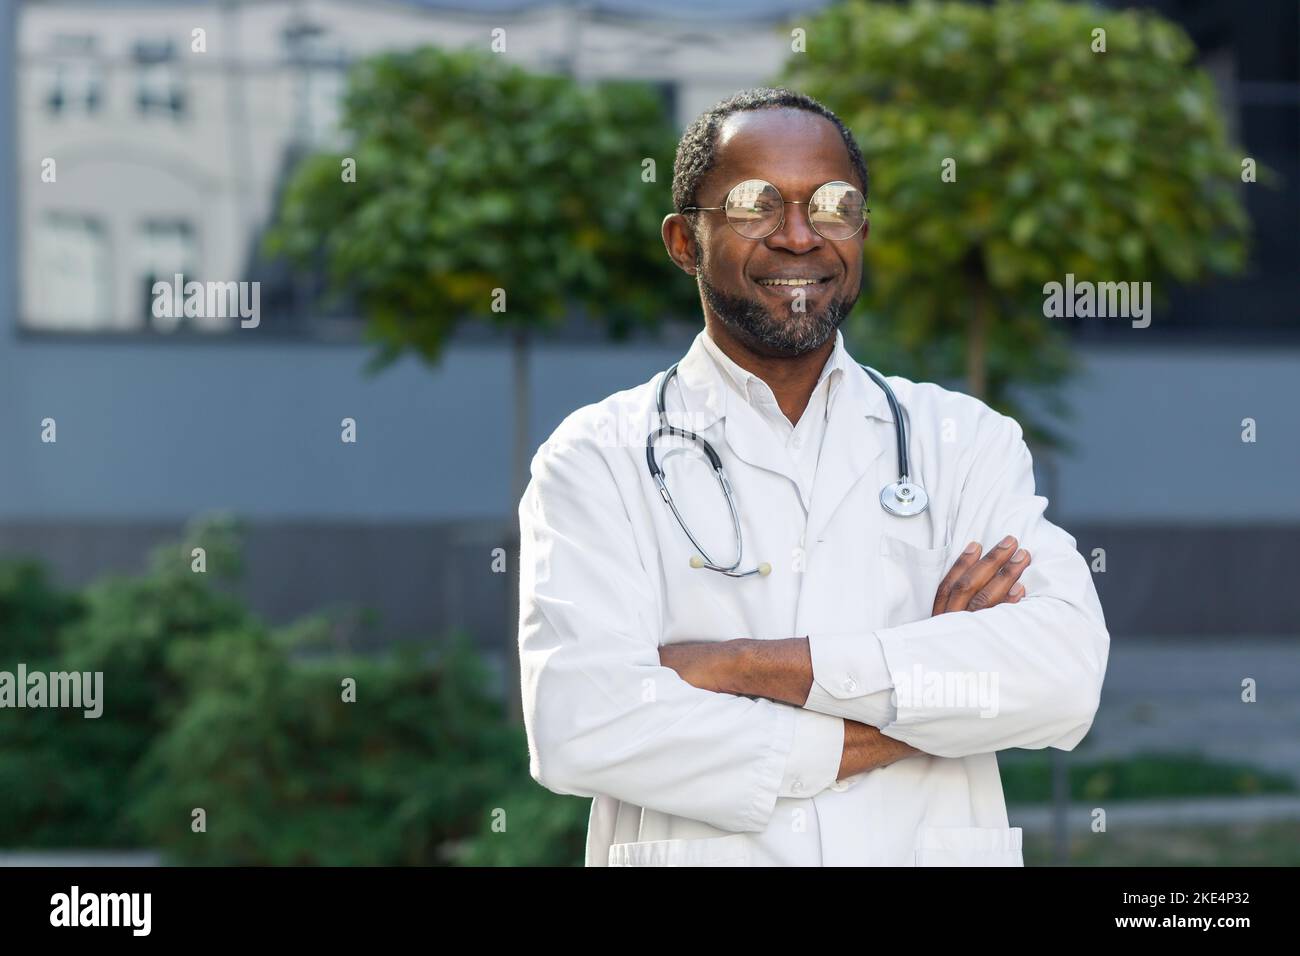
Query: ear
679,240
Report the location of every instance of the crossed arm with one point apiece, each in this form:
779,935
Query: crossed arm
782,670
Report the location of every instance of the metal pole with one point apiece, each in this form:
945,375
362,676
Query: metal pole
1059,759
9,178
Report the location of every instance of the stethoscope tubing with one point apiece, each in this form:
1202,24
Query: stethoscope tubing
912,499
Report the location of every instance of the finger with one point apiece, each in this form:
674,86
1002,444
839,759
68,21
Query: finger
970,583
1016,593
996,591
963,563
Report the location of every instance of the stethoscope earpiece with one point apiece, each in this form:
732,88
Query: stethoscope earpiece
904,497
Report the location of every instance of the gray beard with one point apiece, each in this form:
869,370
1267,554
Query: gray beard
752,323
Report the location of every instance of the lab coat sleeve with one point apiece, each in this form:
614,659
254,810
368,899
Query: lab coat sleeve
1016,675
602,715
851,664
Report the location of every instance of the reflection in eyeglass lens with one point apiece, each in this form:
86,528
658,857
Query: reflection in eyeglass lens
754,206
754,209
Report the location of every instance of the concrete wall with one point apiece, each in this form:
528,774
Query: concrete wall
160,430
1199,527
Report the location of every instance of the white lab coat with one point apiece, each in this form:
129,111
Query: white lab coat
684,776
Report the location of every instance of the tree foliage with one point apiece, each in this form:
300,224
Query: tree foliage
474,175
1113,166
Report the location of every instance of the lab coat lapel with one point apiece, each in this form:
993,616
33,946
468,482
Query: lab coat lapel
750,439
860,430
697,398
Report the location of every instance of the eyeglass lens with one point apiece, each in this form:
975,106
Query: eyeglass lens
754,207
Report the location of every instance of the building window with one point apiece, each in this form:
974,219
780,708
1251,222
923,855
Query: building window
77,85
159,91
320,64
72,289
167,247
322,101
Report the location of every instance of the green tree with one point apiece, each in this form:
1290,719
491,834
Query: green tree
471,176
1110,165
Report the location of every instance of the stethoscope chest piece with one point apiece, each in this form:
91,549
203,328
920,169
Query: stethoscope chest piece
903,498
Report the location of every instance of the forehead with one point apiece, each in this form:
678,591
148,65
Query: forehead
794,150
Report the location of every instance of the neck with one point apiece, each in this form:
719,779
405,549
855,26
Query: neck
790,377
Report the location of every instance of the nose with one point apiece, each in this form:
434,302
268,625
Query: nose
796,233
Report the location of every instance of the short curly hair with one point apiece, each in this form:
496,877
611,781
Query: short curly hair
697,149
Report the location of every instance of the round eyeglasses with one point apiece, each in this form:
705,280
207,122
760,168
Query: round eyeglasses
755,209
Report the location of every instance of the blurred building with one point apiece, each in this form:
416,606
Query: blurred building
172,123
168,157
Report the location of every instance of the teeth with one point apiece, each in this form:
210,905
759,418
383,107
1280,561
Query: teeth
788,281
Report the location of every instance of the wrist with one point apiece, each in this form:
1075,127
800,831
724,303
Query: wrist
777,670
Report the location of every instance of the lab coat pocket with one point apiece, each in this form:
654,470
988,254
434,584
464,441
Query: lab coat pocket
730,850
969,846
912,575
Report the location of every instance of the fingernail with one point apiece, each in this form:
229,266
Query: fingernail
1006,542
1018,556
972,547
1017,589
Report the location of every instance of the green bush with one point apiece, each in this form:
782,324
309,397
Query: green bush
1027,778
38,770
68,779
530,826
288,773
206,707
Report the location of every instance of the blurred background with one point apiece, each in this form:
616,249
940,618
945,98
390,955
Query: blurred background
451,214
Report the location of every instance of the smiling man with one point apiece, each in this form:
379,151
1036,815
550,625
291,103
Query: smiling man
796,624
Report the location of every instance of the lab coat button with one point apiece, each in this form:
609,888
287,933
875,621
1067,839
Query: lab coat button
797,786
850,685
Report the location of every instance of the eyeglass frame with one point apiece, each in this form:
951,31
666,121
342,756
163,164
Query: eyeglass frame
788,202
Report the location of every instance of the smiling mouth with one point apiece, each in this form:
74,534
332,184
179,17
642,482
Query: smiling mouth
792,282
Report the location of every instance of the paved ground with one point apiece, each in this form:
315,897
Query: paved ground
1180,696
80,858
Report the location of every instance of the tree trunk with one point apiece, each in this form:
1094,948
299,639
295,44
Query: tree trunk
977,332
520,458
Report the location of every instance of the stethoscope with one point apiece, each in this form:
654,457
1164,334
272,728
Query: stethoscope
903,497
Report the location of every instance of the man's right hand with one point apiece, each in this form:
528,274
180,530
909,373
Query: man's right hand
975,583
972,584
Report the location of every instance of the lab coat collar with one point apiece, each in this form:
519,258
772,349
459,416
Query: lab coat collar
858,431
708,398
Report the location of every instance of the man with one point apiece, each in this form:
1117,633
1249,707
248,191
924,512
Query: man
843,702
